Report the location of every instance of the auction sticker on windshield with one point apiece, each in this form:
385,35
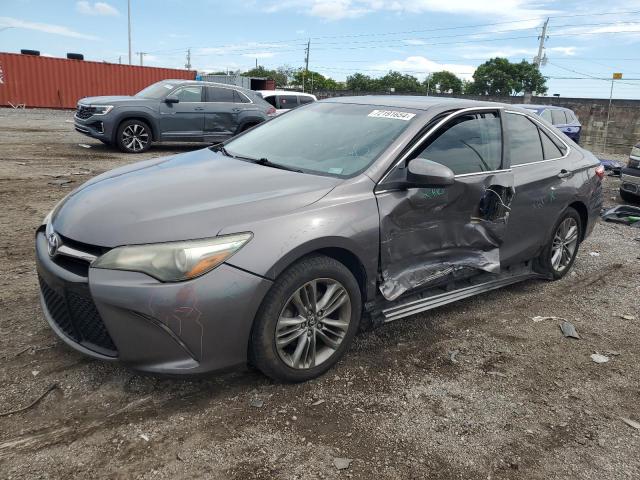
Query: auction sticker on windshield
392,114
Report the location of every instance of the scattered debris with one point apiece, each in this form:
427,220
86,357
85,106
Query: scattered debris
342,463
52,387
542,319
256,403
21,163
598,358
144,437
594,254
452,355
626,316
631,423
624,214
84,145
568,330
35,372
60,181
317,402
612,353
497,374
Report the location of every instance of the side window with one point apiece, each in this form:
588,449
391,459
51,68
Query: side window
524,140
549,148
469,144
559,117
304,99
288,101
218,95
271,100
571,117
188,94
239,97
546,114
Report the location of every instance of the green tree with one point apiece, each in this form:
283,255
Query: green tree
313,81
279,77
500,77
444,82
361,83
400,82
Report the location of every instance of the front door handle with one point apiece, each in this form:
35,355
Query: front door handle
565,174
199,109
236,110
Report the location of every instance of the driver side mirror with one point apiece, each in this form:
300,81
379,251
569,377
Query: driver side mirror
426,173
171,100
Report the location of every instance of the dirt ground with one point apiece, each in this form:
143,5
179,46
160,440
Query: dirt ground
477,389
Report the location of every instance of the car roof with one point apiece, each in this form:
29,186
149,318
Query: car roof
202,82
416,102
283,92
541,107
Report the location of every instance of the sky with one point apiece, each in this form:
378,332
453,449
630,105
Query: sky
587,40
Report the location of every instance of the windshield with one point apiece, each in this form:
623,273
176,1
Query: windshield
327,138
156,90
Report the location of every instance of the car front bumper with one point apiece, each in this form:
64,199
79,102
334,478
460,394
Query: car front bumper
630,181
96,126
190,327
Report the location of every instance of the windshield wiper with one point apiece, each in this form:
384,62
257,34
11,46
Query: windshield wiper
268,163
220,148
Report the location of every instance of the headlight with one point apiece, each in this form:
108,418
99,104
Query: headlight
101,109
174,261
635,152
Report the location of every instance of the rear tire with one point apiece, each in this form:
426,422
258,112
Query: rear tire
293,343
629,197
560,253
134,136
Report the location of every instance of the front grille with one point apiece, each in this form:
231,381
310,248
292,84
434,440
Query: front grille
84,112
78,318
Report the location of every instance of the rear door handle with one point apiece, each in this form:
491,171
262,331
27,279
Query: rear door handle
199,109
236,109
565,174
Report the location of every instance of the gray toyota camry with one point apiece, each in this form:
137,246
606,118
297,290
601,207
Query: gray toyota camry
276,247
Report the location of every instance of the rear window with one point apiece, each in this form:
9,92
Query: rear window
524,140
559,117
270,100
288,101
546,114
239,97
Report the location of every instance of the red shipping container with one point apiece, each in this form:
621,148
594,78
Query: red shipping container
36,81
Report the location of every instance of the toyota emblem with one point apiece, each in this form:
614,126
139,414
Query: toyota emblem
53,242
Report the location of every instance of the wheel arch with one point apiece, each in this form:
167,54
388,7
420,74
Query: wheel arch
583,212
248,123
136,116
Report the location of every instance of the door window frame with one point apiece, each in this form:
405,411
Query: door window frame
546,130
424,136
182,87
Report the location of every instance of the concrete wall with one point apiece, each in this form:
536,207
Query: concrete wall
624,121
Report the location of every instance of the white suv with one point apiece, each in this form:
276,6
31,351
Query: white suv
284,100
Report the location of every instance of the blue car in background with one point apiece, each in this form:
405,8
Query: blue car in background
562,118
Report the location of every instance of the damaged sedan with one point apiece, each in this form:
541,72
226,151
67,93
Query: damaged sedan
276,247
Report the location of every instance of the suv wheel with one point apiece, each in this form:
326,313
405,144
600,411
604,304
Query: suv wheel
559,255
133,136
307,320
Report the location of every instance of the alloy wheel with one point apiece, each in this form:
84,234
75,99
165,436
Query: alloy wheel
565,242
135,137
313,323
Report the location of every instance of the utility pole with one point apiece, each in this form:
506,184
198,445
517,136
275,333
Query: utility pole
306,62
120,59
142,54
129,23
188,64
541,58
614,77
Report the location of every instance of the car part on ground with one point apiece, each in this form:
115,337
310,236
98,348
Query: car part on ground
624,214
394,206
612,167
171,110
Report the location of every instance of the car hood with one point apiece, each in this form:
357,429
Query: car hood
186,196
109,100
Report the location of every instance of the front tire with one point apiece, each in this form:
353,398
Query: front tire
133,136
561,251
307,320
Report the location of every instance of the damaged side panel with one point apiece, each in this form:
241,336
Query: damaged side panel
432,235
